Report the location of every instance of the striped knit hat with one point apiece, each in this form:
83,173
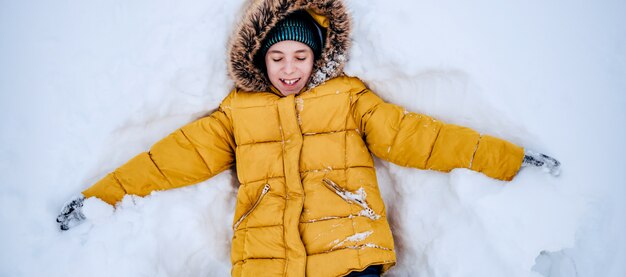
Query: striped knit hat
298,26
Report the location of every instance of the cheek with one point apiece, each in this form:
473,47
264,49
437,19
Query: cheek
309,69
271,71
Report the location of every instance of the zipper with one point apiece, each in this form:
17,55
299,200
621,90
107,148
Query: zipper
345,195
266,189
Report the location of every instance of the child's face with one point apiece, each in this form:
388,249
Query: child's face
289,64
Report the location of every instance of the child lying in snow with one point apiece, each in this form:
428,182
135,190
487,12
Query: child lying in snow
301,135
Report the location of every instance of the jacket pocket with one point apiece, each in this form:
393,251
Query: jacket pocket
352,198
265,190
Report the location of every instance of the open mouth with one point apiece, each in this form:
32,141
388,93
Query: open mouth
290,82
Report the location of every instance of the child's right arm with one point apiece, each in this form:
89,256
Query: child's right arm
189,155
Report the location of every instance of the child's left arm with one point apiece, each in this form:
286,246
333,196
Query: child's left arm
419,141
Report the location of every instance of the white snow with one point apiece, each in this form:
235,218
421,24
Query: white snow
354,238
360,197
84,86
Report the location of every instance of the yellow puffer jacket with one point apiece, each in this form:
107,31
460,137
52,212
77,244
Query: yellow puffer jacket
309,202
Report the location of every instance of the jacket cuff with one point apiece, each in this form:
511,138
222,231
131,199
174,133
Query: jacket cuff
497,158
108,190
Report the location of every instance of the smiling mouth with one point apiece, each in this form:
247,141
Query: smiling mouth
290,82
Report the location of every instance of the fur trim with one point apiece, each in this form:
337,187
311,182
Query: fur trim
262,15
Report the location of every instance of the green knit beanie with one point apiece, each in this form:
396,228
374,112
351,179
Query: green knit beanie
298,26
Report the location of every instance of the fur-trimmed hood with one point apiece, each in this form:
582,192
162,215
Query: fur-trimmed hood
262,15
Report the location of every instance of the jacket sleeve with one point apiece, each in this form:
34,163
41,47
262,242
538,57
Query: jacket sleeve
419,141
189,155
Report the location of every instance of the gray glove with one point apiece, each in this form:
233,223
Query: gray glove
542,161
71,215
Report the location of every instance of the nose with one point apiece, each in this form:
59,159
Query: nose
289,67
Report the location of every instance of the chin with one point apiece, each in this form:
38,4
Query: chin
289,92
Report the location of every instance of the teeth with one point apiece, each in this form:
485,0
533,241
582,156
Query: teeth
290,82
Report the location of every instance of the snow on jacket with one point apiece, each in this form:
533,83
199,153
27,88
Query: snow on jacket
309,202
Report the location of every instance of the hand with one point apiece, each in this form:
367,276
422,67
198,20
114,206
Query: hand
542,161
71,215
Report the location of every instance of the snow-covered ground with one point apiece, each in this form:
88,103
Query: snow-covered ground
86,85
